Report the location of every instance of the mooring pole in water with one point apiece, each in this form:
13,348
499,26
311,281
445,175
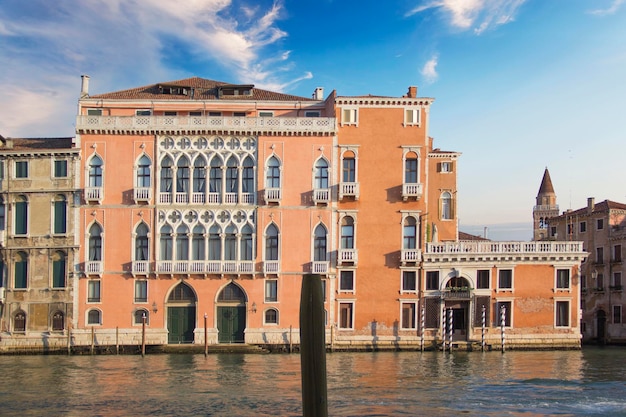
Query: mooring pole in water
143,335
313,348
450,329
290,339
93,338
422,325
206,336
69,339
502,323
117,340
482,340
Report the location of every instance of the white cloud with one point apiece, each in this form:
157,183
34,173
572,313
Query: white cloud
609,10
478,14
429,70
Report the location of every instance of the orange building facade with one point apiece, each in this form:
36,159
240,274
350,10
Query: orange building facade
204,204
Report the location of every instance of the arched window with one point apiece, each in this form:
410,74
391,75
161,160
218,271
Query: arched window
247,176
245,253
410,168
21,270
140,314
182,175
230,244
232,181
409,233
95,242
446,205
215,243
141,242
321,173
58,321
197,243
215,176
182,243
199,175
319,244
165,243
166,175
347,233
271,243
231,293
19,322
271,316
95,171
143,172
272,175
60,214
21,215
94,317
59,268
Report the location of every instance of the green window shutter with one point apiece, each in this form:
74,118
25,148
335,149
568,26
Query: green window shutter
21,215
60,217
58,274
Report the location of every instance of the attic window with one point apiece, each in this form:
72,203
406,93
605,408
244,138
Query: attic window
174,90
235,90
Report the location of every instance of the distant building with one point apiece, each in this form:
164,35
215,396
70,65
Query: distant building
38,245
545,209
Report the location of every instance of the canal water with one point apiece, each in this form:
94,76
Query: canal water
591,382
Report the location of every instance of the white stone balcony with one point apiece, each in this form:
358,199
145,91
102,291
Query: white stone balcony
94,268
320,267
412,190
348,256
143,194
94,194
203,267
204,124
321,195
349,189
477,251
271,267
411,256
2,238
272,195
140,268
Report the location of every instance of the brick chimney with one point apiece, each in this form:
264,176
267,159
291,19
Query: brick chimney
591,204
84,86
412,93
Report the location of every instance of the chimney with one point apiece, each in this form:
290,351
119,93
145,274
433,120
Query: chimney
412,93
318,94
591,204
84,86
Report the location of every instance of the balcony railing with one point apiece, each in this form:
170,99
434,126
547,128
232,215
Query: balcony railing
321,195
2,238
205,198
271,267
411,190
272,195
456,294
141,268
411,255
93,267
93,194
143,194
319,267
348,256
204,267
349,189
505,247
246,125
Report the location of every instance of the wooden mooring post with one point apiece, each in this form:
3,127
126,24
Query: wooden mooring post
206,336
313,348
143,335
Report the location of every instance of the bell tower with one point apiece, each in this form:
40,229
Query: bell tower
545,208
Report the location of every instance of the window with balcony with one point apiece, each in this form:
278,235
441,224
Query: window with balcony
143,179
411,186
215,180
182,180
617,281
232,180
349,186
167,180
215,243
321,191
182,243
94,255
272,180
59,270
562,314
270,264
95,176
60,215
60,168
247,181
432,280
230,243
410,251
199,180
198,246
503,314
20,271
166,243
505,279
93,291
246,250
21,169
271,290
346,281
562,279
446,206
347,251
409,281
409,315
142,254
320,260
21,216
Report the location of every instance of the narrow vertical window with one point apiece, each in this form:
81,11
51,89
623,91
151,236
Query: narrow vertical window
3,214
215,176
562,313
245,251
95,171
60,214
60,169
95,243
197,243
21,271
347,233
409,281
143,172
58,321
230,243
410,169
141,291
165,243
21,215
409,315
349,168
345,315
410,233
319,244
93,291
215,243
199,175
182,175
272,179
166,175
271,243
321,174
271,291
446,206
58,270
232,180
182,243
141,243
247,176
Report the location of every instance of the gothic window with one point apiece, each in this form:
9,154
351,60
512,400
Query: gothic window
166,175
232,175
182,175
166,244
271,243
321,174
95,171
409,233
182,243
141,242
143,172
347,233
197,243
319,244
215,243
246,249
95,242
272,178
247,180
199,175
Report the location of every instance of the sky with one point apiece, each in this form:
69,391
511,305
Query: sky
519,85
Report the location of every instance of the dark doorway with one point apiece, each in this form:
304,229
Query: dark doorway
181,314
601,317
231,314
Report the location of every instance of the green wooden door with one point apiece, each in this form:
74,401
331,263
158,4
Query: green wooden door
231,322
181,322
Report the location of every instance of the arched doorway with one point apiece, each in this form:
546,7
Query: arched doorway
601,326
457,295
181,314
231,314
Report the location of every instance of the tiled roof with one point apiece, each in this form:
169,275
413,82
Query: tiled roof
37,144
546,184
603,206
467,236
203,89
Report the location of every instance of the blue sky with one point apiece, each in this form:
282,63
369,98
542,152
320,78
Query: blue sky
520,85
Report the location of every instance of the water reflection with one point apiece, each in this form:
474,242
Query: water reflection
574,383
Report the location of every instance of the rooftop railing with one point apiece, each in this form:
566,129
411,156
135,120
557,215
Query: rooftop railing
504,247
